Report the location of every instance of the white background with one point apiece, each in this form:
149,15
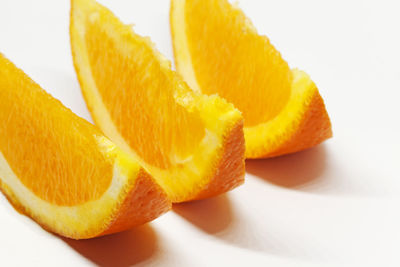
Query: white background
336,204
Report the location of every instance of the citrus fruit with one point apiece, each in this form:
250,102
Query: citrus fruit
218,50
60,170
192,144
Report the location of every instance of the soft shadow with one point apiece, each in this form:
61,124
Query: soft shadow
251,225
118,250
212,215
292,170
218,218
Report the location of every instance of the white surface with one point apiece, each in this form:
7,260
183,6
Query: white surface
337,204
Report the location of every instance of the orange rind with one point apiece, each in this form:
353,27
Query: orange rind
218,51
192,144
62,171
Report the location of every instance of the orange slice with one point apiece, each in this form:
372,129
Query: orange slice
218,50
192,144
60,170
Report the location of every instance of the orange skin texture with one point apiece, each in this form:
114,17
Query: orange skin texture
56,152
315,127
218,50
144,203
231,167
130,92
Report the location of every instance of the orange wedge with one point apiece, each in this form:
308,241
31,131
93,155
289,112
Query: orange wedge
60,170
218,50
192,144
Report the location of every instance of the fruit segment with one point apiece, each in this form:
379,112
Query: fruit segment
218,50
191,143
60,170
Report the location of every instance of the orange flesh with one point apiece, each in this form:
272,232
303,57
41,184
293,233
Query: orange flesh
62,170
127,93
252,69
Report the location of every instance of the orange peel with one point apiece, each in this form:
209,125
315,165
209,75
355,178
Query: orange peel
192,144
218,50
61,171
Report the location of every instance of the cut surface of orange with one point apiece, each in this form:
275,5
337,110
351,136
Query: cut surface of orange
192,144
218,50
60,170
